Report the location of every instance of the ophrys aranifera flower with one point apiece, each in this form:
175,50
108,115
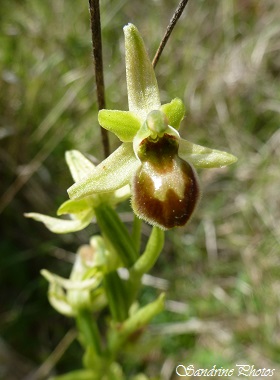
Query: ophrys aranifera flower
153,159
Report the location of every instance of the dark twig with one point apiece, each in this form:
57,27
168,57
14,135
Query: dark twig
98,65
169,29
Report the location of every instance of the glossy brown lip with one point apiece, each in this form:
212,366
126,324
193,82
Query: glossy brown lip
165,189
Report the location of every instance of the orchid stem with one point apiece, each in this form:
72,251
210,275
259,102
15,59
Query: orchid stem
95,25
89,330
136,232
172,23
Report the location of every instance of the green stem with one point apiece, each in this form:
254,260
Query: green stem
147,260
135,323
89,331
117,296
115,231
136,232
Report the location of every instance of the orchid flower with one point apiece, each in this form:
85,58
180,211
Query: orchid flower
81,211
153,159
82,289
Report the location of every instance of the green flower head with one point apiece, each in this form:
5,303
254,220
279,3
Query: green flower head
153,159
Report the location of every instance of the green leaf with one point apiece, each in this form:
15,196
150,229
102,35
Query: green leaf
111,174
62,226
202,157
124,124
142,88
78,164
175,112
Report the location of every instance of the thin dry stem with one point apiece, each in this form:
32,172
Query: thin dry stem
172,23
95,25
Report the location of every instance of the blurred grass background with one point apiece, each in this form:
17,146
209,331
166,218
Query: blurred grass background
223,268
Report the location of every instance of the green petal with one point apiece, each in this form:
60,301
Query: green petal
175,112
142,88
75,206
70,284
202,157
113,173
124,124
78,164
62,226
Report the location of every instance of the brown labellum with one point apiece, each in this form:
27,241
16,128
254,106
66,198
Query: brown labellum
165,189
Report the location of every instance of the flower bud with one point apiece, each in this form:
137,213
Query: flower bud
165,188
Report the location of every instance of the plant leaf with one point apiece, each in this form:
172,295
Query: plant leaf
202,157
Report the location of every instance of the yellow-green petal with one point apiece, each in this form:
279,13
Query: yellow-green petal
124,124
175,112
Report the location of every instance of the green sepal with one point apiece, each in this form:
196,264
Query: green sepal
78,164
115,231
75,206
111,174
174,111
63,226
58,299
124,124
202,157
69,284
142,88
